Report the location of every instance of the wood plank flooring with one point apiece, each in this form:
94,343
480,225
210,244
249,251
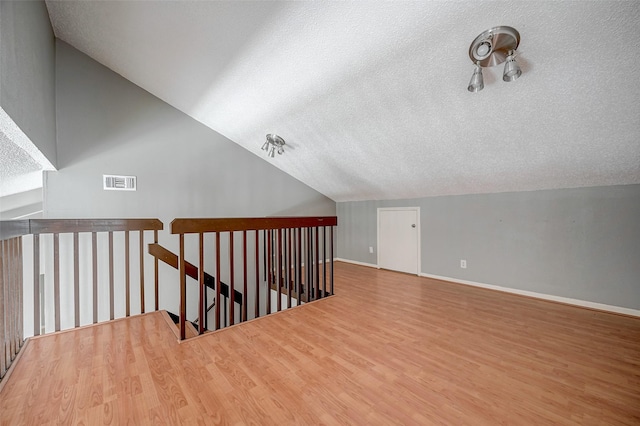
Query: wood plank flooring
389,348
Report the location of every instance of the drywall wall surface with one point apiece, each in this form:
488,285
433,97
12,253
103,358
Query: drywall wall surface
108,125
27,71
577,243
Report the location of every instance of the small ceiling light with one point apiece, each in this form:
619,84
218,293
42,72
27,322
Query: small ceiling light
477,82
493,47
511,69
273,143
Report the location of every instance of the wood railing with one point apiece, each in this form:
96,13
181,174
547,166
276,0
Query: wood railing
76,265
291,252
11,319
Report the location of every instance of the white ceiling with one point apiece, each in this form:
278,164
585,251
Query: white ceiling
371,97
22,163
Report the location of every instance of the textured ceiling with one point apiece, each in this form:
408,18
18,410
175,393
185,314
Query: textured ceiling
371,96
22,163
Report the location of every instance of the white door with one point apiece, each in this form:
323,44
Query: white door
399,239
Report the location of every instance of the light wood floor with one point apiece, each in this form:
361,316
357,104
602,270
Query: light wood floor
389,348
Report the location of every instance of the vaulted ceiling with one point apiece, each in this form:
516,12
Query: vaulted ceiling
371,97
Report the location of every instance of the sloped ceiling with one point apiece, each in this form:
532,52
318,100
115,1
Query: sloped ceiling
22,163
371,97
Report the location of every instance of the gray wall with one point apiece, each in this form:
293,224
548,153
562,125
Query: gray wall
578,243
27,71
108,125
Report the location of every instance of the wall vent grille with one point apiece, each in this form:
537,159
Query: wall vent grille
119,183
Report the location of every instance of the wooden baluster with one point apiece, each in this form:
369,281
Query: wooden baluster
279,273
11,311
20,329
317,263
6,329
324,260
36,285
331,259
155,274
183,289
17,275
244,275
76,279
94,270
3,305
307,267
257,299
111,296
287,266
127,283
232,295
217,280
56,279
268,301
141,244
264,254
298,263
202,303
205,320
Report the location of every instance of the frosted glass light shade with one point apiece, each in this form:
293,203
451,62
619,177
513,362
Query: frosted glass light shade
477,82
511,69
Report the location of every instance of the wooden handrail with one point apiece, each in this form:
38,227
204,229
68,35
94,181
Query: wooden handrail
47,226
17,228
171,259
193,226
13,228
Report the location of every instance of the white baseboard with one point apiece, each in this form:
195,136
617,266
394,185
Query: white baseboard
355,262
567,300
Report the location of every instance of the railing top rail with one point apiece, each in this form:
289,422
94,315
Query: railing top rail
44,226
11,228
198,225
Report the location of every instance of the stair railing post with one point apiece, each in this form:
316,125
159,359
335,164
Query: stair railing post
217,279
202,293
183,290
331,258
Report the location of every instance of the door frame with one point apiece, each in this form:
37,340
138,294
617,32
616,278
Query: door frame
417,210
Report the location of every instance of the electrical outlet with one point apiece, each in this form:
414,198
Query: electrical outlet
463,264
370,249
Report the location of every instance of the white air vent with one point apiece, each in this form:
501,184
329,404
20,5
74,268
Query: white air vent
119,183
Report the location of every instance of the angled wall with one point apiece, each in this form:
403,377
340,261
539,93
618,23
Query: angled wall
108,125
27,71
578,243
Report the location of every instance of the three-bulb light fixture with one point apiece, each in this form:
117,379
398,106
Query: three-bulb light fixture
493,47
273,144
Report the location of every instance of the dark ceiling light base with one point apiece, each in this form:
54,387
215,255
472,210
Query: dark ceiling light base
274,143
493,47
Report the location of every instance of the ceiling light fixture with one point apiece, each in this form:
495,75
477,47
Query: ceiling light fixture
493,47
273,144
